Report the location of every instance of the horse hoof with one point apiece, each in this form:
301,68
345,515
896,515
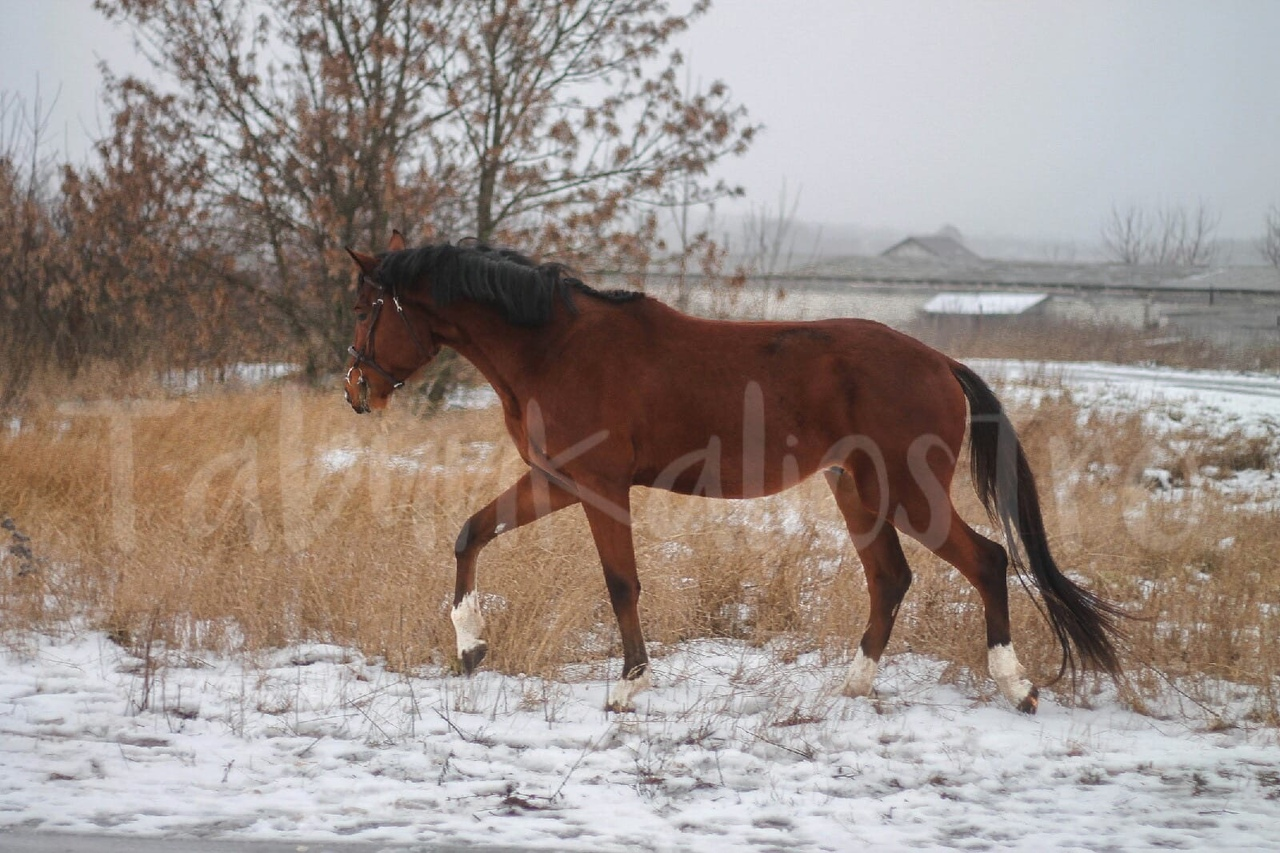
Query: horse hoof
471,657
1029,704
625,689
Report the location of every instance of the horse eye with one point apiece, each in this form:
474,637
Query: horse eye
361,315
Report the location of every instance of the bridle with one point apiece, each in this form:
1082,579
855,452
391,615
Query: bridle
367,358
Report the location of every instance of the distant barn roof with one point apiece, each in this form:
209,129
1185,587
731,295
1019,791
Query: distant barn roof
944,246
985,304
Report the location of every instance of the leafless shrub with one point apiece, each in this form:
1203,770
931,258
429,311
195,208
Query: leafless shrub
769,236
1125,236
1173,236
1269,245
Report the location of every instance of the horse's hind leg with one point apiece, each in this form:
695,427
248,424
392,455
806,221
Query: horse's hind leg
888,578
985,565
531,497
922,508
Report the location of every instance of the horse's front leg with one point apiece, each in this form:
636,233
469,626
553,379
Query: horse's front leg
609,514
531,497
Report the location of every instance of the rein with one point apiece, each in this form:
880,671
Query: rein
367,359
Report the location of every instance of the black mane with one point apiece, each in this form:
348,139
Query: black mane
524,291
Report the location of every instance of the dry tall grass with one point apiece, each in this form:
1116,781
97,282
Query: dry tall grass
243,521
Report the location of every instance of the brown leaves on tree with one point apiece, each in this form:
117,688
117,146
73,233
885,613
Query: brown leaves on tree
112,263
288,129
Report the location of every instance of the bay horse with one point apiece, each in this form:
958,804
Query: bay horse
603,391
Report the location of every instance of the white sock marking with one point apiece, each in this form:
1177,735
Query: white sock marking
862,672
1008,674
468,623
624,690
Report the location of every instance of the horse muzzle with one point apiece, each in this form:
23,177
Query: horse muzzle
356,391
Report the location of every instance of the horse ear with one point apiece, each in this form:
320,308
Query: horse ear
397,242
367,263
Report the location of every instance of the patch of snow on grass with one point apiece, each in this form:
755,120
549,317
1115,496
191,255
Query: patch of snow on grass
1174,403
1217,398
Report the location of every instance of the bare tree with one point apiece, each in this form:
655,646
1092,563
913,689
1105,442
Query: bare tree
1125,235
1186,237
311,121
1269,245
24,130
88,267
690,244
574,121
28,240
137,273
322,123
1174,236
769,236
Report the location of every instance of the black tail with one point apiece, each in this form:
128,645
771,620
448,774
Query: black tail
1084,623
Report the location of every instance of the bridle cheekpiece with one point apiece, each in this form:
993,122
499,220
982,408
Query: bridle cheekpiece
368,358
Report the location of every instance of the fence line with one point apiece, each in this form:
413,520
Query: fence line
945,281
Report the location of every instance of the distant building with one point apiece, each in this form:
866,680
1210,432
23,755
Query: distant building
985,304
960,313
946,245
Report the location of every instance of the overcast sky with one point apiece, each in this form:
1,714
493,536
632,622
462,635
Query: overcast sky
1027,119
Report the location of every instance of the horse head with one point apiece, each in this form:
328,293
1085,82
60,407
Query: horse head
385,351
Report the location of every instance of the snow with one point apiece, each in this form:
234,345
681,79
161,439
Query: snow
731,750
1175,404
249,374
471,397
983,303
1215,398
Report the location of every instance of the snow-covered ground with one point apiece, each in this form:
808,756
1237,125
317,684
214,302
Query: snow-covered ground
1213,398
247,374
1178,407
732,749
